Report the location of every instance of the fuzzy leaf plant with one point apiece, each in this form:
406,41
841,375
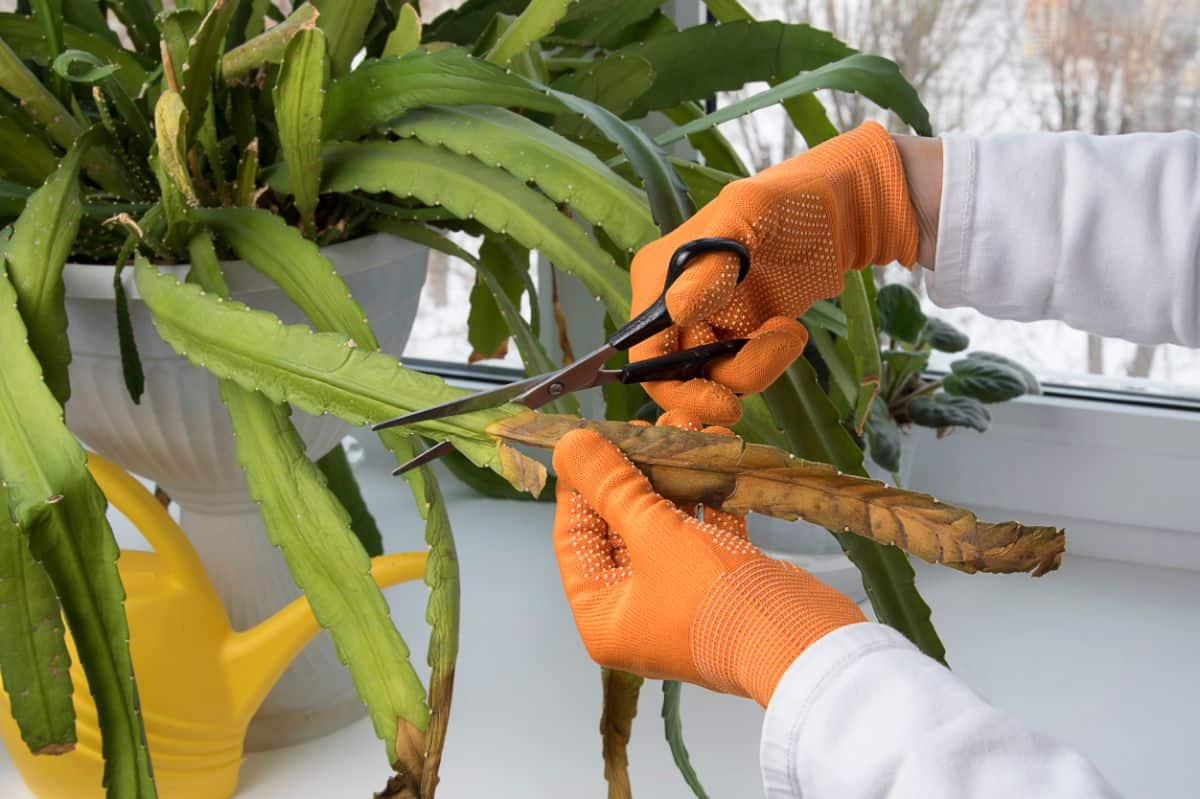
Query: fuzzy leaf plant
234,129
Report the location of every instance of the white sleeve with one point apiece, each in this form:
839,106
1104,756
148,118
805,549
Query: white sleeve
1100,232
863,714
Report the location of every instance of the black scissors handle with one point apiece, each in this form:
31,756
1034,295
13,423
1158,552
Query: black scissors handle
683,365
656,318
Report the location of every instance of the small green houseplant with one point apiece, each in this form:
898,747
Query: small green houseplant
232,128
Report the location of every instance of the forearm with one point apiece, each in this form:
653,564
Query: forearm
922,160
862,714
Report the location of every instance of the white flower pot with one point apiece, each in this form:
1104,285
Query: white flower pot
812,547
179,436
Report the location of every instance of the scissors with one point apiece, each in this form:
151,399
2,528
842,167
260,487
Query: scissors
588,371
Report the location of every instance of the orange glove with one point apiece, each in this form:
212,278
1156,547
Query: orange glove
840,206
659,593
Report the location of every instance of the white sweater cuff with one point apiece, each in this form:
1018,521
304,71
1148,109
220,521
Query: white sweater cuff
947,283
801,687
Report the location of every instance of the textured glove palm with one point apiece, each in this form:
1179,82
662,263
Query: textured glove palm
840,206
657,592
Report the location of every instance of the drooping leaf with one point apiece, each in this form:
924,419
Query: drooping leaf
131,361
487,328
312,530
299,97
669,201
335,467
714,148
33,661
621,690
943,410
41,241
537,19
566,172
876,78
61,510
673,728
1032,386
295,264
406,36
943,336
729,474
380,90
984,380
345,24
266,47
863,343
471,190
319,372
442,609
900,314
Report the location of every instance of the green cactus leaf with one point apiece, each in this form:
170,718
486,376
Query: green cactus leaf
299,97
535,21
472,190
668,197
89,16
312,529
25,158
465,23
318,372
295,264
863,342
23,34
345,24
703,183
53,498
600,22
203,56
266,47
565,171
41,241
245,187
405,37
876,78
614,85
442,609
380,90
138,18
34,660
673,730
335,466
717,151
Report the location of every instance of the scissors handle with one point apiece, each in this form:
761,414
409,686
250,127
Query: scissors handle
683,365
656,318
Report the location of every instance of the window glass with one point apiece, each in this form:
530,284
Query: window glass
984,66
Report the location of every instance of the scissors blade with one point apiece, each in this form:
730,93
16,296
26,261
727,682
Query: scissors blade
472,402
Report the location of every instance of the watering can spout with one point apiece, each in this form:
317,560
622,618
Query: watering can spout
254,659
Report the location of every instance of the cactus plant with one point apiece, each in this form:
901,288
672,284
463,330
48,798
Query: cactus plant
229,127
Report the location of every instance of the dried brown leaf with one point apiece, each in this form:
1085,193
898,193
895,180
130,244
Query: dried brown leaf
727,473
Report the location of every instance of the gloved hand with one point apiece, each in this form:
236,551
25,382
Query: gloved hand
656,592
840,206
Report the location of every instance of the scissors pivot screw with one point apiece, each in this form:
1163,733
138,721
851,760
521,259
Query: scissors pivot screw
555,389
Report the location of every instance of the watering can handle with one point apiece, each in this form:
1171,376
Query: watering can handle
150,518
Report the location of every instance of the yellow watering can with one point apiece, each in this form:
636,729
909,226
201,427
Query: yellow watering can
199,680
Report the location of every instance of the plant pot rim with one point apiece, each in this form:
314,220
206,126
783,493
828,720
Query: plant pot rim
94,281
